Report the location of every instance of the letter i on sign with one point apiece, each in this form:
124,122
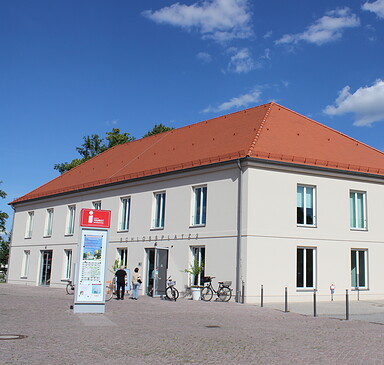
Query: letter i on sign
90,217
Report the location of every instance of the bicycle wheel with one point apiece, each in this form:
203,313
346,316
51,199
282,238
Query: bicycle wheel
206,294
224,294
175,294
70,289
172,293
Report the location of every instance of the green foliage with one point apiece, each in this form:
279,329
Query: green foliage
195,270
3,215
4,250
115,137
158,128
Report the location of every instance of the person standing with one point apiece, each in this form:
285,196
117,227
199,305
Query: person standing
136,282
120,276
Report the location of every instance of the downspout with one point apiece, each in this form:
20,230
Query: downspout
239,228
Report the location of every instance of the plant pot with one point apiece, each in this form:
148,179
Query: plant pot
196,292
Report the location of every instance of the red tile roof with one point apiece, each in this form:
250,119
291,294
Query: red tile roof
269,132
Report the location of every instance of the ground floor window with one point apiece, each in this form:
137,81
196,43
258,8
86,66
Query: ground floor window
359,268
198,261
25,267
67,264
305,273
123,256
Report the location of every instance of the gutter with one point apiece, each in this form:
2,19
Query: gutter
239,293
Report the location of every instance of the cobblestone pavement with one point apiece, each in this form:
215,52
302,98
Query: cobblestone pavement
154,331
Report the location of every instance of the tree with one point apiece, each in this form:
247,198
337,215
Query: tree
158,128
92,146
4,243
3,215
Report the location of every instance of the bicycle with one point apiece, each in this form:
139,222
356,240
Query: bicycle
223,292
70,288
110,289
171,292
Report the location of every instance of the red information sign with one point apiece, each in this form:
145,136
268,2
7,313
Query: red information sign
95,218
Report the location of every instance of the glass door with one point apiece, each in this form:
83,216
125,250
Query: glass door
46,266
157,271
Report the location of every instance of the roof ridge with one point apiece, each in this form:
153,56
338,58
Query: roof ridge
260,129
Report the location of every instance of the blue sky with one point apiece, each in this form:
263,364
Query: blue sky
73,68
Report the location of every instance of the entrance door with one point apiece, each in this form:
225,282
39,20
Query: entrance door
46,266
157,271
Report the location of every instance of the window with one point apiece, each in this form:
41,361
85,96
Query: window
97,205
29,226
306,205
123,256
125,207
67,264
71,219
359,266
199,216
357,202
25,267
198,257
48,223
159,210
305,274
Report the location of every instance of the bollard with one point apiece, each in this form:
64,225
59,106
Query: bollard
262,296
346,305
314,303
286,300
242,293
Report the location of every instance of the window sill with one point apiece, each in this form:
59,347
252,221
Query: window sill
157,229
123,231
305,290
68,235
307,225
359,289
27,238
197,225
47,236
23,277
359,229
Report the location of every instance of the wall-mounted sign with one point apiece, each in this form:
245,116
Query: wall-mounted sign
95,218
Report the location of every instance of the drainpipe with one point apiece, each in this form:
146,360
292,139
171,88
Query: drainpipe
239,227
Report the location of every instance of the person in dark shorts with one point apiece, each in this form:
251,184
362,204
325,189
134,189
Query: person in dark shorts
120,276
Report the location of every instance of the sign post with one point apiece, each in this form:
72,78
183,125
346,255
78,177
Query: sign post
90,278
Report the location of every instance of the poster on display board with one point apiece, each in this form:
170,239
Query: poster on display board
91,274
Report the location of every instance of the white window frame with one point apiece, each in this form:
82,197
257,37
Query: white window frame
358,267
25,264
125,213
354,211
305,205
159,201
122,256
96,205
199,206
304,270
29,225
68,256
49,222
70,224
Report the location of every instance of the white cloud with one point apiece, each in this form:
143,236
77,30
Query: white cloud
237,102
241,61
326,29
204,57
220,20
376,7
367,103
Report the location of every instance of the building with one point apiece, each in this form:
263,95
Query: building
263,197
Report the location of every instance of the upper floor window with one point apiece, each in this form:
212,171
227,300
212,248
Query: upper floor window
125,207
97,205
359,269
159,210
199,216
29,226
358,217
305,267
71,219
306,205
48,223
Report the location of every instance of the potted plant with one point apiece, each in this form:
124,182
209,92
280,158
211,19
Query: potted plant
195,270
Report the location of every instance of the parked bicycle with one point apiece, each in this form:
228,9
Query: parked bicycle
223,292
171,292
70,288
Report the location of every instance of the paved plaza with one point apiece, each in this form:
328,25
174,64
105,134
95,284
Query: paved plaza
154,331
